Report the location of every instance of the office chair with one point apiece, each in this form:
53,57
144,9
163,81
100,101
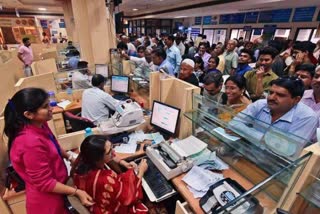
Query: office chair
78,123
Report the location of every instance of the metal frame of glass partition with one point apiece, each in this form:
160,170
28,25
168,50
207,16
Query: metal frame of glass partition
271,174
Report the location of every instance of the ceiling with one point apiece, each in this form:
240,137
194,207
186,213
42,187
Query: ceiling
167,8
52,6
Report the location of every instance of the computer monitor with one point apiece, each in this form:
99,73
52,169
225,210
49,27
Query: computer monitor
120,84
164,117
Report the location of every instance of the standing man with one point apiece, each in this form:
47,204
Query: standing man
231,58
26,56
203,54
159,59
173,53
245,58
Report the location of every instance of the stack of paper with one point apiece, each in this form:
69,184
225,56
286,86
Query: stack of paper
189,146
64,104
199,180
209,160
129,147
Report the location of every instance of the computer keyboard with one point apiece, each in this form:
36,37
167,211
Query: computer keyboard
120,97
156,181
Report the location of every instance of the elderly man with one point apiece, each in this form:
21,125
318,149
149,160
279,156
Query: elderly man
230,58
186,72
212,85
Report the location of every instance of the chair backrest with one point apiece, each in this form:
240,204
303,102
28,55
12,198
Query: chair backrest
78,123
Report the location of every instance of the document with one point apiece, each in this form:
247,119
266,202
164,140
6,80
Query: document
64,104
199,180
129,147
189,146
209,160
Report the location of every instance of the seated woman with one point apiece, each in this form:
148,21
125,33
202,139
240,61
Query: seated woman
234,96
111,192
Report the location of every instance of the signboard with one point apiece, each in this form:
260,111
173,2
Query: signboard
303,14
195,31
62,25
44,23
198,20
207,20
237,18
251,17
257,32
282,15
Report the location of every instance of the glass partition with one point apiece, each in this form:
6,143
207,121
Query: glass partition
262,158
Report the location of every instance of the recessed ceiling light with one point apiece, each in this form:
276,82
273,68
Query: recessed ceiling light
42,8
134,9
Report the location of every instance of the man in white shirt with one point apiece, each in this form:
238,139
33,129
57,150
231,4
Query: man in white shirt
96,102
80,78
143,61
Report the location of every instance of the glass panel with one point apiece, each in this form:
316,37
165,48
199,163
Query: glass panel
282,33
303,34
219,35
314,39
261,158
234,33
242,34
255,34
209,34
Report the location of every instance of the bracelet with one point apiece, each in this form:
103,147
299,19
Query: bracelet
73,194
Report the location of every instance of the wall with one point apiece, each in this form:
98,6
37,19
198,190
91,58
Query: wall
189,22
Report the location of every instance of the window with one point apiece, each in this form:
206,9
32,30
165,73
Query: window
256,33
237,33
282,33
304,34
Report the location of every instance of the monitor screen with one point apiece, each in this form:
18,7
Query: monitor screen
165,117
120,84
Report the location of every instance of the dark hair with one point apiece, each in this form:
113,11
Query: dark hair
82,64
25,39
73,52
204,36
268,51
213,77
97,80
310,68
249,52
170,37
160,53
203,44
304,46
278,45
294,85
92,151
239,80
199,60
27,99
141,47
216,59
69,42
122,46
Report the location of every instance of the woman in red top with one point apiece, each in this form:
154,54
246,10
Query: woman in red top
35,153
112,193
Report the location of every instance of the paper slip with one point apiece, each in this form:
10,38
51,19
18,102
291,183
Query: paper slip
64,104
222,133
130,147
201,179
198,194
189,146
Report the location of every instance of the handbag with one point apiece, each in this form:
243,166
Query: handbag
13,180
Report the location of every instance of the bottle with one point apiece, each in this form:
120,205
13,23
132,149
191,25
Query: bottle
69,93
88,132
52,99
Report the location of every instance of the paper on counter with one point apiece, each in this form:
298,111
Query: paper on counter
126,148
196,193
201,179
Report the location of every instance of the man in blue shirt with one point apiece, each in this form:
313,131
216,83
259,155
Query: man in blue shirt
245,58
159,60
282,109
173,53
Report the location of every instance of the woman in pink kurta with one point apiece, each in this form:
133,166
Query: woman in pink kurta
35,153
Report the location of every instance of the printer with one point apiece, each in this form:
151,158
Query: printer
167,160
127,114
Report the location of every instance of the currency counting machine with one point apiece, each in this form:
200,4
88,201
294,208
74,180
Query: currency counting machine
127,114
